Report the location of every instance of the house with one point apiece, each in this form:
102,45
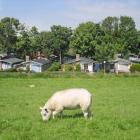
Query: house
36,65
54,58
39,65
133,57
9,63
86,64
3,56
136,61
120,66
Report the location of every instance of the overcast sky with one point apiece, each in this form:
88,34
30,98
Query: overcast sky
45,13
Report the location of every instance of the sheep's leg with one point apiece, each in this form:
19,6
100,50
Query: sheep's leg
90,114
86,112
61,114
55,112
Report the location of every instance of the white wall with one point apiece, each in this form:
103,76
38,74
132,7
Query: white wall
82,66
90,67
6,66
35,68
121,68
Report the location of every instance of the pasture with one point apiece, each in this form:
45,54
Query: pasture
116,109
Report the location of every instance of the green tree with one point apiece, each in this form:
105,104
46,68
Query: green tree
45,43
23,44
90,40
111,26
138,43
8,33
35,41
128,35
83,39
60,38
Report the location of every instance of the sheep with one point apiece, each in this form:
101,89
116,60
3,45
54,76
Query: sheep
67,99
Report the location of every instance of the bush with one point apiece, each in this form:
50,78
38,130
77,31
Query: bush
135,67
11,70
69,68
54,67
132,68
78,68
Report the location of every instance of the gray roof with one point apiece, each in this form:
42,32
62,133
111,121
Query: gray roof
41,61
136,61
121,61
3,54
12,60
81,59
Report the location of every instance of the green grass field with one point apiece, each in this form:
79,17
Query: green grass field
116,109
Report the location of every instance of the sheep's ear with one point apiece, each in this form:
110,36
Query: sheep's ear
41,108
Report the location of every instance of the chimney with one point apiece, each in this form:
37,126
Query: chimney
27,58
38,55
77,57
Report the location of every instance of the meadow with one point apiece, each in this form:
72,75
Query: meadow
116,109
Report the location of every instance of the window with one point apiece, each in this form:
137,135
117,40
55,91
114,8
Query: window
85,67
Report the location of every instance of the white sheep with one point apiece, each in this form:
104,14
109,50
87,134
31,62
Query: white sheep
67,99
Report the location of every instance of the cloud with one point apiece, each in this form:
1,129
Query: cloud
69,12
97,11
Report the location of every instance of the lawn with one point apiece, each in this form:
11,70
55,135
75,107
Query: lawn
116,109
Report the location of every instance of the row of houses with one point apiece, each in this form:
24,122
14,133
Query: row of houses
41,64
35,65
89,65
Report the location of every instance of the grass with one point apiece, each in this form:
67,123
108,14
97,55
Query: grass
116,109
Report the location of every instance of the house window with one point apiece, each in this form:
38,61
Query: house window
111,66
85,67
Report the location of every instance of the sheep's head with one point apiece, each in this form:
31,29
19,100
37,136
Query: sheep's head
45,113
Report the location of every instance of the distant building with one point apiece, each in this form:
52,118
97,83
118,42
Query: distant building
3,56
39,65
36,65
133,57
86,64
54,58
9,63
120,66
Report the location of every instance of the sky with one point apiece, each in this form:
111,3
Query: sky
45,13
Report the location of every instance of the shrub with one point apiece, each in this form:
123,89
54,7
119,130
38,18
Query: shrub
78,68
11,70
135,67
54,67
69,68
132,68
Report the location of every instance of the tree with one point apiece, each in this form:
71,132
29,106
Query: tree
111,26
83,39
60,38
8,28
45,43
104,52
35,41
90,40
138,43
128,35
23,44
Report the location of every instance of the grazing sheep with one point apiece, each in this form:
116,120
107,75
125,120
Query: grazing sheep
67,99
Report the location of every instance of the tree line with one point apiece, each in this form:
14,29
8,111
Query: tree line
99,41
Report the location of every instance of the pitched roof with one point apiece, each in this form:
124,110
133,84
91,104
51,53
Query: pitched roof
12,60
136,60
42,61
121,61
81,59
3,55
